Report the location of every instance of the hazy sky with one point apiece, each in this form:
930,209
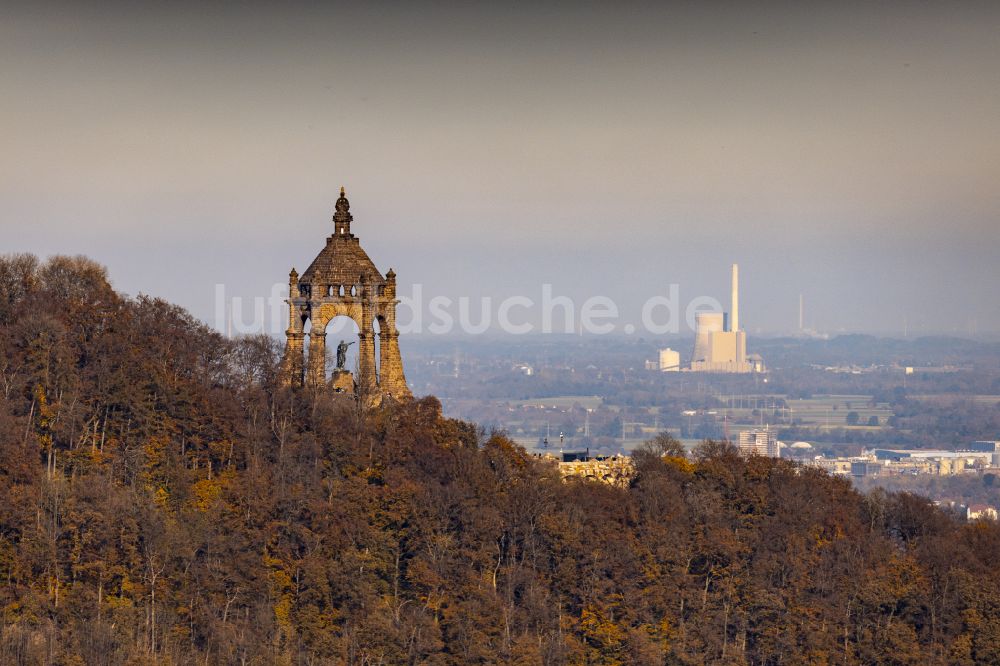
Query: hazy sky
851,154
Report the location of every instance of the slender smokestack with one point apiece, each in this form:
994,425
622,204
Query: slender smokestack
734,315
800,312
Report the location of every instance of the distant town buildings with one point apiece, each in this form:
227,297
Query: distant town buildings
759,441
912,462
865,467
719,344
980,512
981,457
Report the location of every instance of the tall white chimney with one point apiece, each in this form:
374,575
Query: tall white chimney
734,314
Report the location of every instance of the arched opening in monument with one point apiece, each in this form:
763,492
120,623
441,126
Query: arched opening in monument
344,330
377,325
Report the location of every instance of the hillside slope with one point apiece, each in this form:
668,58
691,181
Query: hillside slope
163,501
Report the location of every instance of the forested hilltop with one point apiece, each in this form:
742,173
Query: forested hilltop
164,501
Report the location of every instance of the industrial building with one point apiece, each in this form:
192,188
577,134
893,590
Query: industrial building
986,446
719,344
670,360
898,455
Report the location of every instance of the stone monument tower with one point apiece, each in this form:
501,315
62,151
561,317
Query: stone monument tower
343,281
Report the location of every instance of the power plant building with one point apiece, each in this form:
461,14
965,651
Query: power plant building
706,324
670,360
719,344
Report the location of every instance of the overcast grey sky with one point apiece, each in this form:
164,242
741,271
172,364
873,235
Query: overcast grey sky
851,154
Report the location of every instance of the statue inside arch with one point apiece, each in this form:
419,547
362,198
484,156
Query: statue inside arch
342,354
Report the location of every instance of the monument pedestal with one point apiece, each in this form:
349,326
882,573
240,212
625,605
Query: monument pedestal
342,381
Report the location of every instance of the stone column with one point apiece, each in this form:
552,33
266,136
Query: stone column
391,378
367,379
292,362
294,357
317,358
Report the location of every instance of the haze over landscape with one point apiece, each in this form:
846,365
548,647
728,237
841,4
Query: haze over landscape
850,153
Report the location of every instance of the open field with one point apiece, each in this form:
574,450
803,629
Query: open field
977,399
561,401
831,410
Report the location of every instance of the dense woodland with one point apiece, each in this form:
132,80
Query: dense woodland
164,501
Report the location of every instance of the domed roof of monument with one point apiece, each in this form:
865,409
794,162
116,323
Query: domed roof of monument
342,261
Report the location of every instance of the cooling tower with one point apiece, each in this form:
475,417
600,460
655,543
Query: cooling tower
705,323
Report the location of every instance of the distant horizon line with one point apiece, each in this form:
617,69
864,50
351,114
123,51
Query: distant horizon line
981,337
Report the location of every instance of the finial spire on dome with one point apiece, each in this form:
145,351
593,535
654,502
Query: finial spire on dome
342,217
